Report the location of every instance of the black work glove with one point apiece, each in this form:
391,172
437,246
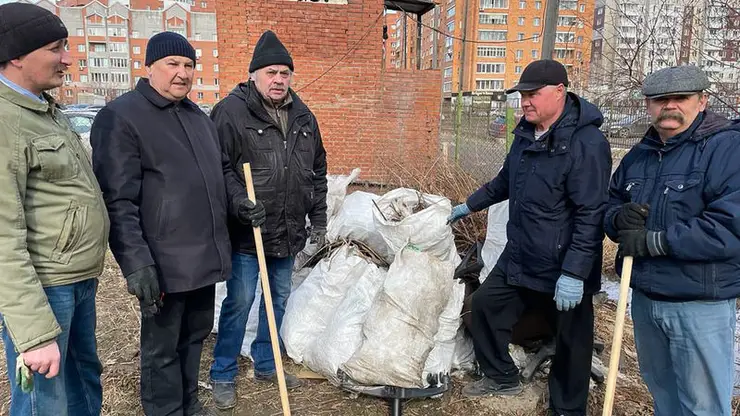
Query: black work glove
144,284
631,216
251,213
318,237
643,243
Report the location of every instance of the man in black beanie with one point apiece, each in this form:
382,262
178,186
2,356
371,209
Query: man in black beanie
53,224
159,164
263,122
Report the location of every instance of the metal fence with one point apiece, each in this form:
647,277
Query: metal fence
485,123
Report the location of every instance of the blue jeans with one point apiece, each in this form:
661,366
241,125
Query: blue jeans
686,354
240,293
76,391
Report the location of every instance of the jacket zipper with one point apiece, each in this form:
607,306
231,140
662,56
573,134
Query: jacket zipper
286,161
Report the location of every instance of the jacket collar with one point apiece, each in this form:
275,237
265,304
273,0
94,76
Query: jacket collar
25,101
145,89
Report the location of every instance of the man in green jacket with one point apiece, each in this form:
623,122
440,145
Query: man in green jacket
53,225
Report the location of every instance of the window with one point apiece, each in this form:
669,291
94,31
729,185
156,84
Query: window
490,68
198,53
491,52
563,53
535,53
448,73
117,32
582,8
538,5
563,37
489,84
198,67
137,50
568,4
519,54
98,47
99,78
95,31
578,55
521,21
200,95
118,63
492,19
520,36
84,78
215,67
80,32
135,34
118,47
68,77
580,40
68,93
203,5
119,78
82,63
215,81
536,21
99,62
215,53
518,69
451,11
447,87
137,64
200,81
450,28
80,48
566,20
535,37
217,96
494,4
492,35
522,4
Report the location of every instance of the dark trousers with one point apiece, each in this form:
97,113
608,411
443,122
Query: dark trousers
171,345
497,306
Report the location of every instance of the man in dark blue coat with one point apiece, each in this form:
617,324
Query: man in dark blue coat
675,207
556,178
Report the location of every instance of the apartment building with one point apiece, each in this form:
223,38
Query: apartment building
633,38
502,37
108,45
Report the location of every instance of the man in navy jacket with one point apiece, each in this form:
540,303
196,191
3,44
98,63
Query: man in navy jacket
675,206
556,178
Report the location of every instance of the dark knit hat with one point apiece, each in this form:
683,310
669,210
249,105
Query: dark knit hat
270,51
167,44
26,27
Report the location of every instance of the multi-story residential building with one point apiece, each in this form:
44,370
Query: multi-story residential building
501,38
108,40
633,38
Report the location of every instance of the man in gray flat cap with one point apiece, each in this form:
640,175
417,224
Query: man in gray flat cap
675,207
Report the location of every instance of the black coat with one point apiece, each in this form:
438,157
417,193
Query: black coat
289,171
161,171
558,191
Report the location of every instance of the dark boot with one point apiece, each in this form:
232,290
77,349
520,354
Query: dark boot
224,395
488,387
291,381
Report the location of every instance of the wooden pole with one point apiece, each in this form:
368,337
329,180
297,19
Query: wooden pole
611,380
268,299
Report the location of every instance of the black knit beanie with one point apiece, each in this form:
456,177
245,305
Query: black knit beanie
270,51
26,27
167,44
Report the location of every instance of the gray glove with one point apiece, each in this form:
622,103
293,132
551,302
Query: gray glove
318,237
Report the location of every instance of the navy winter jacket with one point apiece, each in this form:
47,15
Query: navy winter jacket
692,184
557,189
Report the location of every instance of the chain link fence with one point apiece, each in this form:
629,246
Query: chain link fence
486,123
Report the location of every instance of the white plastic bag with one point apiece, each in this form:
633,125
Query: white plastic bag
398,334
337,189
441,357
464,356
343,335
498,217
426,229
314,302
354,221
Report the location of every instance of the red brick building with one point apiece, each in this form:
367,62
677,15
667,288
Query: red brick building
368,115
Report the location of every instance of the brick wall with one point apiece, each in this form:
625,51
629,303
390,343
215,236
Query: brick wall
366,115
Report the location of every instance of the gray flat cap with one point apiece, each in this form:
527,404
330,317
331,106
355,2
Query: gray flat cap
676,80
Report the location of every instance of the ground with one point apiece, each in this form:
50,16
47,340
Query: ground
118,342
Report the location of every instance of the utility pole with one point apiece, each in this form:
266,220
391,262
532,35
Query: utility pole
461,66
551,26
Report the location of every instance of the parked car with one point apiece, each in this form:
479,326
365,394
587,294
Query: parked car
497,128
631,126
81,122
